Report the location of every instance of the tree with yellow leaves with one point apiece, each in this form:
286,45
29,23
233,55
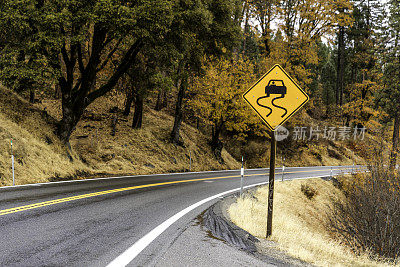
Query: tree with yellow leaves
216,98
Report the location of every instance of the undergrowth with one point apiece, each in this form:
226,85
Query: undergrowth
300,220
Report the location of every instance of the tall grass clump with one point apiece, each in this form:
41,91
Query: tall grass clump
367,219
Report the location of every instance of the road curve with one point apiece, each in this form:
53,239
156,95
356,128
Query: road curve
92,222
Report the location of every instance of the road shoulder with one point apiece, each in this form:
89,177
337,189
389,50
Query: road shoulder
212,240
196,247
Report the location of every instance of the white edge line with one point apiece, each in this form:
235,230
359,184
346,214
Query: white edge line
132,252
146,175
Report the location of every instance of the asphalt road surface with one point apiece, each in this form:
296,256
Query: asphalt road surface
121,220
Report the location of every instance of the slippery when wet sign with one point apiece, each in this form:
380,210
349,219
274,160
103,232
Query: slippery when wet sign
275,97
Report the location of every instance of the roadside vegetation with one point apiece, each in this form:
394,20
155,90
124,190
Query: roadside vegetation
309,225
367,219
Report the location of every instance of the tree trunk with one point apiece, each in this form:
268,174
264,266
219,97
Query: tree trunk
128,103
138,114
267,46
175,136
76,96
57,91
72,112
216,144
340,68
215,137
246,30
267,32
164,99
161,100
32,96
395,143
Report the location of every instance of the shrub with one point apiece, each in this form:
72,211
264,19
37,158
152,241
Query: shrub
368,220
308,191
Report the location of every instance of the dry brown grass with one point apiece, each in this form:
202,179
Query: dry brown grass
142,151
312,154
298,223
145,150
35,159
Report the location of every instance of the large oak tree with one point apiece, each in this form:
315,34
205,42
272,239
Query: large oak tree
73,43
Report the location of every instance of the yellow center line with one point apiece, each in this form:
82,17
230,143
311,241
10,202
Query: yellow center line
100,193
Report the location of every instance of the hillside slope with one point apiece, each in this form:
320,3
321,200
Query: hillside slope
40,157
96,152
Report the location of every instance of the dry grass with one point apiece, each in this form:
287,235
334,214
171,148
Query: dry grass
298,222
35,159
145,150
316,155
40,157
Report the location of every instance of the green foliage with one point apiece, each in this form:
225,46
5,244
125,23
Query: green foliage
388,97
200,28
73,43
42,30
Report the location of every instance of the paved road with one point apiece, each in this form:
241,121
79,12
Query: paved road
92,222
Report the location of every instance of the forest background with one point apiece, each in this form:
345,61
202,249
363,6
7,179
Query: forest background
185,64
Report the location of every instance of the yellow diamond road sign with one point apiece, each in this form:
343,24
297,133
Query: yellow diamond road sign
275,97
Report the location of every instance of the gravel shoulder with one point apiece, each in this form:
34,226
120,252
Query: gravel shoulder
212,240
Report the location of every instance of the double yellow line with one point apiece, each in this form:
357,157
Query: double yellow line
106,192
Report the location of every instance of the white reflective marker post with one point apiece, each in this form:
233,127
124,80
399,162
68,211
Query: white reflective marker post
12,162
283,168
241,178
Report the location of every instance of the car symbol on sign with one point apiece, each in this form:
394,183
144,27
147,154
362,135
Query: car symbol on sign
275,87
